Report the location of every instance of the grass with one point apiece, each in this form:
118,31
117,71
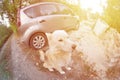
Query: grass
5,71
4,34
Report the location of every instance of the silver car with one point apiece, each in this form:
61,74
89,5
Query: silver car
38,19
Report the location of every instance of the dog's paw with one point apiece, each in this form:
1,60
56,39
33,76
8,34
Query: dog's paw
62,72
51,69
68,68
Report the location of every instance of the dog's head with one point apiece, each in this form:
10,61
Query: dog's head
60,39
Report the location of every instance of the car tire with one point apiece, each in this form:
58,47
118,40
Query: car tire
38,40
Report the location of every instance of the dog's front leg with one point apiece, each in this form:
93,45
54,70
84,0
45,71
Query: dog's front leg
48,67
42,55
59,69
68,68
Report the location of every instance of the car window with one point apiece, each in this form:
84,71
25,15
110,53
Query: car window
46,9
29,12
64,10
54,9
40,10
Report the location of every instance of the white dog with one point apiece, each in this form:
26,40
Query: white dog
59,53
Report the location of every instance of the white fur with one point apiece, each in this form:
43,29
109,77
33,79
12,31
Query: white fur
59,53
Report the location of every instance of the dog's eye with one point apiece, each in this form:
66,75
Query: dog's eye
60,40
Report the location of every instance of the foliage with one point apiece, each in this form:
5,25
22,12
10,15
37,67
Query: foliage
5,70
36,1
76,9
112,14
10,8
4,74
4,34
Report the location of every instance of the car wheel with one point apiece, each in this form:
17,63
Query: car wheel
38,40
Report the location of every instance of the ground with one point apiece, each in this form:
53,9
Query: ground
99,59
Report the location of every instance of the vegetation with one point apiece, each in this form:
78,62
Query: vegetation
4,34
5,72
76,9
10,8
112,14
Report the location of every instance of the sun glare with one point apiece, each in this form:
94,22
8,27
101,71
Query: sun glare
93,5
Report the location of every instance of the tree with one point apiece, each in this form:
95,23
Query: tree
112,14
10,8
36,1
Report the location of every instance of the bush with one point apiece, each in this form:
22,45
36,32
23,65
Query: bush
112,14
4,34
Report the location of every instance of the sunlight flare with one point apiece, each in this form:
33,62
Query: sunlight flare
92,5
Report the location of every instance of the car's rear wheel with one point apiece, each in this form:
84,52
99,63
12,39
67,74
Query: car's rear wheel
38,40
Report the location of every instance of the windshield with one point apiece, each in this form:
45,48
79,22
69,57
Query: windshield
47,9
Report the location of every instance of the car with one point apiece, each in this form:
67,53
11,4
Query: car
38,19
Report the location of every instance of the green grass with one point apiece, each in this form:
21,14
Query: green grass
4,34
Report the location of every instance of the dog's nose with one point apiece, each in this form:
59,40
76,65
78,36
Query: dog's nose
73,46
